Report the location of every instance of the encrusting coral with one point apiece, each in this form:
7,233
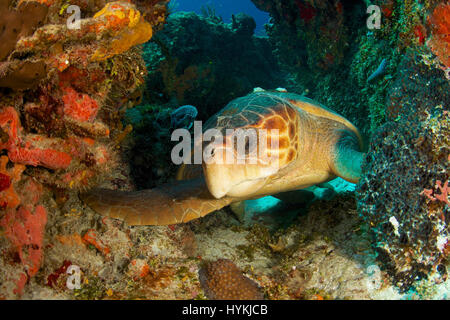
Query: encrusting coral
403,193
440,40
23,224
136,30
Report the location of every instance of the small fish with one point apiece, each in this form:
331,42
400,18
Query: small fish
183,117
380,71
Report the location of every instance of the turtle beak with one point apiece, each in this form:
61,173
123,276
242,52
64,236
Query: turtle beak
229,178
219,181
231,181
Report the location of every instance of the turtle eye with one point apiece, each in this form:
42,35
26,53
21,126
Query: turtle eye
247,146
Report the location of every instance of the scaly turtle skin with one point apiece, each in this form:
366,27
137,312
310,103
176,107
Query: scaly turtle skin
315,145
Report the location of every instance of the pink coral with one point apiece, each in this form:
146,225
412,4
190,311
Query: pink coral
440,42
443,196
79,106
48,158
24,227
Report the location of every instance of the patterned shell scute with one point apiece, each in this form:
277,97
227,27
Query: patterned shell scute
250,110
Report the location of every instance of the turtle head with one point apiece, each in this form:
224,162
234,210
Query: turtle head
248,143
237,169
241,161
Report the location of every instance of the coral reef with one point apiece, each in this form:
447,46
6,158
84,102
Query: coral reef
330,51
196,60
407,220
66,125
402,194
407,215
406,166
222,280
61,94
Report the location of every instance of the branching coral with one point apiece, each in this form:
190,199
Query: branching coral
444,192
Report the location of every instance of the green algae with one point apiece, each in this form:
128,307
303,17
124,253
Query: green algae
92,288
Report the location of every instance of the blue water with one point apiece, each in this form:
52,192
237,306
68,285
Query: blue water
225,8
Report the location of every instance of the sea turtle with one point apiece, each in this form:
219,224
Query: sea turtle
315,145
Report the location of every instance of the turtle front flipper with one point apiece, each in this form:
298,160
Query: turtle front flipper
172,203
347,158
